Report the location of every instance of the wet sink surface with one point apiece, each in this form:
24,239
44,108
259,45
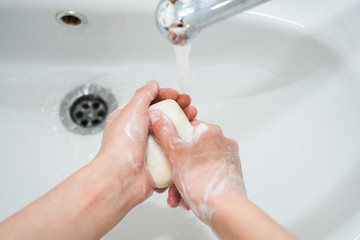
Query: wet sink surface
283,82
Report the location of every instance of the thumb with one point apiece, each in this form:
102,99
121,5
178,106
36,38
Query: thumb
163,129
144,96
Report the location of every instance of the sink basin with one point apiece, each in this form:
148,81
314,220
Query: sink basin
282,79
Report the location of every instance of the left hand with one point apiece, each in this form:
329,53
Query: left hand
126,134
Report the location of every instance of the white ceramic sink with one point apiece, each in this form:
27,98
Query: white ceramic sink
281,79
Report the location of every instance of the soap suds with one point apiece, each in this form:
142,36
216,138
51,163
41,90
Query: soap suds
199,131
177,142
131,125
224,177
128,132
211,184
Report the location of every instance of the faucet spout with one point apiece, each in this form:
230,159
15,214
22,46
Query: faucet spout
181,20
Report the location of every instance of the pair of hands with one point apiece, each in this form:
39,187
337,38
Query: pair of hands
207,167
206,172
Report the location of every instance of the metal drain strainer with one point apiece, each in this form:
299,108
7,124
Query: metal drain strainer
85,109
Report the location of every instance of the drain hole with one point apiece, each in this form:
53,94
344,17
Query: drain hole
84,123
101,113
85,106
79,114
71,20
96,105
89,111
96,122
85,109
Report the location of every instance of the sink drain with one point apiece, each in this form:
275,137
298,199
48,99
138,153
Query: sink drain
85,109
88,111
71,19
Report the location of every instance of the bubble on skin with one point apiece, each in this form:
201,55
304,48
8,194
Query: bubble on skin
186,189
213,188
177,142
201,210
150,96
199,131
206,212
239,181
213,181
216,187
128,132
153,84
155,116
129,127
135,166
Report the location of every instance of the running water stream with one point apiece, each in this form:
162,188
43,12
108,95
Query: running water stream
182,59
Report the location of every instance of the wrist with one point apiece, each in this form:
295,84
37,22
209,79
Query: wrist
221,203
131,182
114,180
225,208
239,218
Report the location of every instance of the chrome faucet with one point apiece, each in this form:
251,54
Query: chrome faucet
181,20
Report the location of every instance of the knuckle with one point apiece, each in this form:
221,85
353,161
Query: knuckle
140,91
215,129
234,144
176,143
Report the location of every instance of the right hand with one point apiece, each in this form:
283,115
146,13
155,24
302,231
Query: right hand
205,170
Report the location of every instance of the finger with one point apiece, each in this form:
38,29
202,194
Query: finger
195,122
184,205
184,100
174,197
144,96
234,145
166,93
160,190
190,112
164,131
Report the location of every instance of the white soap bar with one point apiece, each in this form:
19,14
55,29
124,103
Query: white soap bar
155,159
